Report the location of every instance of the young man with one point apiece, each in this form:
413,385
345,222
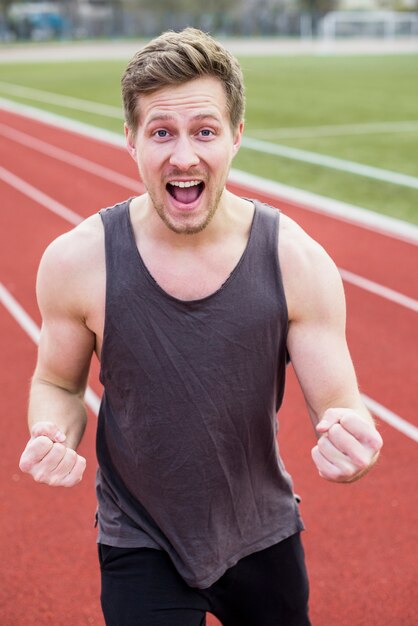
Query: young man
193,299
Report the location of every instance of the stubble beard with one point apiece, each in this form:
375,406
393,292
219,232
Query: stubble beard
186,229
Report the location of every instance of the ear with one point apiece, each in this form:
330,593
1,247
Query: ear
130,142
237,137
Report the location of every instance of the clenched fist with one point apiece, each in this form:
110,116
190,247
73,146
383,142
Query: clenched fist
48,460
348,446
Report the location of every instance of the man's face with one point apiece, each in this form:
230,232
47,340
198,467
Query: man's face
184,146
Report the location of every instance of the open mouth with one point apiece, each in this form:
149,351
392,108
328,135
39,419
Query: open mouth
185,192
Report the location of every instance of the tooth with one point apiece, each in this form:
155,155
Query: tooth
189,183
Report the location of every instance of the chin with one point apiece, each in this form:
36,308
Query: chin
186,219
187,226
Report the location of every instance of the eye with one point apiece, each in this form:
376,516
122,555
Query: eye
206,132
161,133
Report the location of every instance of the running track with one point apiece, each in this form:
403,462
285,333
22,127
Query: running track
361,540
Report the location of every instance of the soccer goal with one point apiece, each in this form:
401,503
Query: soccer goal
369,24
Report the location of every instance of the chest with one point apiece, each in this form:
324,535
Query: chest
193,274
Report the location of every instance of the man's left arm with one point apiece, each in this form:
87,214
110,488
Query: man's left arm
348,441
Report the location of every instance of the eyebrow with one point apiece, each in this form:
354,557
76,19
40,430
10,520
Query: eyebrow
167,117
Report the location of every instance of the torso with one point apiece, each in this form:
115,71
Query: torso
187,272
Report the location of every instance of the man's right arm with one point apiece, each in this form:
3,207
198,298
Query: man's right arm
57,415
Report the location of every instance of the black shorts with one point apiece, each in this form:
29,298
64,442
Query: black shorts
141,587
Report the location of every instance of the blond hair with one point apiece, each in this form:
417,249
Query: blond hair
175,58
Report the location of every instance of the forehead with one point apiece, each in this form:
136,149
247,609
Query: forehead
201,96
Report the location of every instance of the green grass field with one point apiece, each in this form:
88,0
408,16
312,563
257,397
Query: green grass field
289,99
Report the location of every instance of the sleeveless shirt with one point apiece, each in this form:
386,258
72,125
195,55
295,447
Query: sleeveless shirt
186,440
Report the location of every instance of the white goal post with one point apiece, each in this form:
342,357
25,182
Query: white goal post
370,24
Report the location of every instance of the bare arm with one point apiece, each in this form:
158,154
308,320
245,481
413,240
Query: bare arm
348,443
57,415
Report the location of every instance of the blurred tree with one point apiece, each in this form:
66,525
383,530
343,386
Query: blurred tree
189,6
203,13
4,5
406,5
317,9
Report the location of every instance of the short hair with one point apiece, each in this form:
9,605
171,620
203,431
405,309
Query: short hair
175,58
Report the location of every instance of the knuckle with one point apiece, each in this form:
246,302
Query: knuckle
376,443
42,440
24,464
335,432
346,472
39,447
336,473
59,449
54,481
72,481
322,443
70,460
340,476
347,417
40,477
361,461
81,463
72,454
328,474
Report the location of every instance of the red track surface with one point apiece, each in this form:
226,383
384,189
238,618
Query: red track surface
361,539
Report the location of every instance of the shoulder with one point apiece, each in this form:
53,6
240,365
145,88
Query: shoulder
311,279
70,263
75,249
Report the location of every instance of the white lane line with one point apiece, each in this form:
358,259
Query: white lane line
39,196
336,130
380,290
93,401
67,102
74,218
64,123
391,418
331,162
312,202
259,145
34,332
19,314
69,157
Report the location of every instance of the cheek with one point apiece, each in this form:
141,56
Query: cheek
212,160
221,163
149,165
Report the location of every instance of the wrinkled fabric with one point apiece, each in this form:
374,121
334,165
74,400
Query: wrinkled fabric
186,441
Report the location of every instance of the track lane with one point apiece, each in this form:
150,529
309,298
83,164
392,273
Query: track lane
361,555
94,149
49,574
298,438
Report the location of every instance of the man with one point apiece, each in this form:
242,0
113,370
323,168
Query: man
193,299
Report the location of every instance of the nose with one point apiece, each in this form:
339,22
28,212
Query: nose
184,155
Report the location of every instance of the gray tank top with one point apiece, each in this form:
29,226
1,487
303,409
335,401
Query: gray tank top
186,440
